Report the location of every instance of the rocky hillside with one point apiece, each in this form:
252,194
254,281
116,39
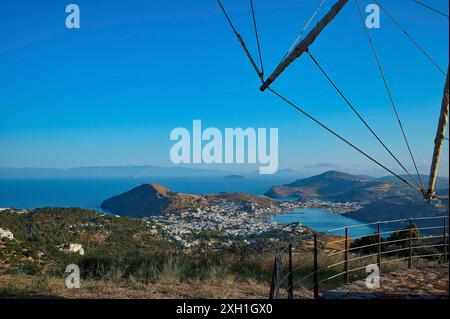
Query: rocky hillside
329,184
381,198
346,187
154,200
149,200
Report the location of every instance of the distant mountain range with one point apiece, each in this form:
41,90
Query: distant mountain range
124,172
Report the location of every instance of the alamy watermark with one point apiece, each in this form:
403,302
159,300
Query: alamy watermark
73,279
373,279
373,20
210,146
73,17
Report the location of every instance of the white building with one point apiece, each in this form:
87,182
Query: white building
4,233
73,248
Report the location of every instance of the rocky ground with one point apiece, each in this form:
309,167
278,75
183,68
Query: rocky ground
420,283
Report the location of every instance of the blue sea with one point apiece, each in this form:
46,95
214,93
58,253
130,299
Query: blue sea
322,220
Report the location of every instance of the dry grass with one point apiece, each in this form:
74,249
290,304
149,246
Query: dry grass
20,286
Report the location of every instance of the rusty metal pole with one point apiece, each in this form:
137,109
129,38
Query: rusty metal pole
410,244
346,256
316,269
272,284
379,247
445,240
290,279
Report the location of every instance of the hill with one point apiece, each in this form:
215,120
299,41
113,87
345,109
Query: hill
346,187
149,200
328,184
154,200
381,198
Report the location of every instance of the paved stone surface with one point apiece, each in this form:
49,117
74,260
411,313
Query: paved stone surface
419,283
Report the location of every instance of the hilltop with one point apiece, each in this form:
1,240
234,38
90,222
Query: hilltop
328,184
149,200
154,200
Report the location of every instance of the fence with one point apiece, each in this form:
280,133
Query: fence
345,257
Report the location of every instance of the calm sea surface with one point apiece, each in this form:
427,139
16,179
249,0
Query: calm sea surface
322,220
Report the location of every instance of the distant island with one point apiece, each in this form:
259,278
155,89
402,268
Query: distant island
234,177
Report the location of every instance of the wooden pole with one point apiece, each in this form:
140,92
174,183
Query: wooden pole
410,244
379,247
439,142
316,269
290,279
305,43
346,256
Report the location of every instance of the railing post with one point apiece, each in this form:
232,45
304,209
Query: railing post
272,284
445,241
316,270
346,256
290,278
410,244
379,246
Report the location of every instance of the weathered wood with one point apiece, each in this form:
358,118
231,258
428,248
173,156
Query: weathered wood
439,142
305,43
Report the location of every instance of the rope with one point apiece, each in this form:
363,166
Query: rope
411,38
431,8
257,39
360,117
440,197
388,90
241,41
303,30
341,138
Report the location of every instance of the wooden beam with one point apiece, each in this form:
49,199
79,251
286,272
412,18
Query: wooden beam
305,43
439,142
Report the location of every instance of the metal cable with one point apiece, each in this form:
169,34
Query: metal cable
361,118
241,41
342,138
303,30
257,38
411,38
431,8
388,90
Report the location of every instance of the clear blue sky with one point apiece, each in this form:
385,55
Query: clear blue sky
111,92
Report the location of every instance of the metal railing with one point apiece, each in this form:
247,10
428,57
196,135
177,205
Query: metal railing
412,239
